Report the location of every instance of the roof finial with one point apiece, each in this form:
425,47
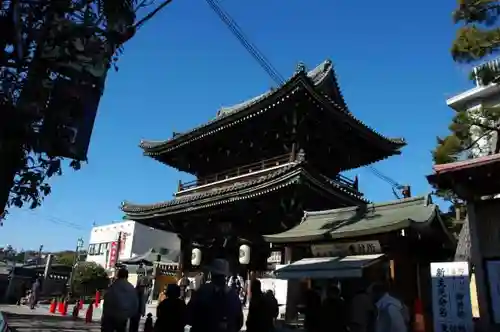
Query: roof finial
301,68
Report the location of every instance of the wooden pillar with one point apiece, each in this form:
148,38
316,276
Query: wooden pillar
480,272
185,255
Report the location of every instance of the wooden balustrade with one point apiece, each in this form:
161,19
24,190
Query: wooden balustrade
259,166
243,170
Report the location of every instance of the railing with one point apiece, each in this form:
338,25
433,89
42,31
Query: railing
345,181
493,65
243,170
351,185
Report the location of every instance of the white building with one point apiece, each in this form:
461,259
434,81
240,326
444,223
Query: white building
123,240
480,96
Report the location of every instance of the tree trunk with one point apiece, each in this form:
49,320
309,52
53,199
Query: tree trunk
9,162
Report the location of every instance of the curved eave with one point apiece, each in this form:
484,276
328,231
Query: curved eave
258,105
316,230
392,144
290,175
317,80
389,146
320,77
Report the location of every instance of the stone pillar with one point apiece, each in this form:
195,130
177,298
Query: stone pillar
293,291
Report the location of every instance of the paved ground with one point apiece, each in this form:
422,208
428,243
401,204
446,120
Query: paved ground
21,319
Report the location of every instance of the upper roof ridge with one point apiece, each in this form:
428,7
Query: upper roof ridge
417,200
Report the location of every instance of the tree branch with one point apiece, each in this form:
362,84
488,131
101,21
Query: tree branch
151,14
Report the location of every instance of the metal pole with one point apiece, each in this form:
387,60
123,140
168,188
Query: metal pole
79,246
39,258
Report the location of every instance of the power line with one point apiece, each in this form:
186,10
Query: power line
384,177
273,73
251,48
56,220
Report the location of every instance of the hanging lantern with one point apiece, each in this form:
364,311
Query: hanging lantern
195,257
244,254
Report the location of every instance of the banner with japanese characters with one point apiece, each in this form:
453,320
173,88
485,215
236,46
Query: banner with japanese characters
451,303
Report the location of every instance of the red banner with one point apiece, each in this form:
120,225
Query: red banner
113,253
123,243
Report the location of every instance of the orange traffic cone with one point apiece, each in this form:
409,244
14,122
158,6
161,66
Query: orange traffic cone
80,304
89,313
53,305
419,323
97,299
60,306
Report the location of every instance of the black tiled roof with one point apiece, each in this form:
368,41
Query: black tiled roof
315,80
286,175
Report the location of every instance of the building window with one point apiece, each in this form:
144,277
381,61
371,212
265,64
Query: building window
91,249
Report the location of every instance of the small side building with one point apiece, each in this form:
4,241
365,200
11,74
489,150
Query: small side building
395,240
477,181
123,240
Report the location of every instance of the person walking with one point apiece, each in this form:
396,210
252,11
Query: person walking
163,295
120,304
312,317
36,289
260,314
142,297
215,307
171,312
392,314
362,312
273,302
333,311
184,285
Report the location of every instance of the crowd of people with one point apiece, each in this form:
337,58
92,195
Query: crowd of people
216,305
371,309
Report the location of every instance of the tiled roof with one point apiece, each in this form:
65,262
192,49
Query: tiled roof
288,174
359,220
466,164
318,80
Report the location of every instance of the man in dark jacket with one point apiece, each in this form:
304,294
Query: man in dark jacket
215,307
333,311
171,312
260,312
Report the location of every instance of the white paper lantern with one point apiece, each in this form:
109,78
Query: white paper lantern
244,254
195,257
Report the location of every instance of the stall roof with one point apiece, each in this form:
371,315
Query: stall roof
359,220
151,256
328,267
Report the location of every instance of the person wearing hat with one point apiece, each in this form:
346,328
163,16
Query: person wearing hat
215,307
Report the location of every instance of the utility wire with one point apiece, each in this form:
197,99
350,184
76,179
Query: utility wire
273,73
56,220
251,48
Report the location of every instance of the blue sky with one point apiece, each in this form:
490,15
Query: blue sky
392,60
